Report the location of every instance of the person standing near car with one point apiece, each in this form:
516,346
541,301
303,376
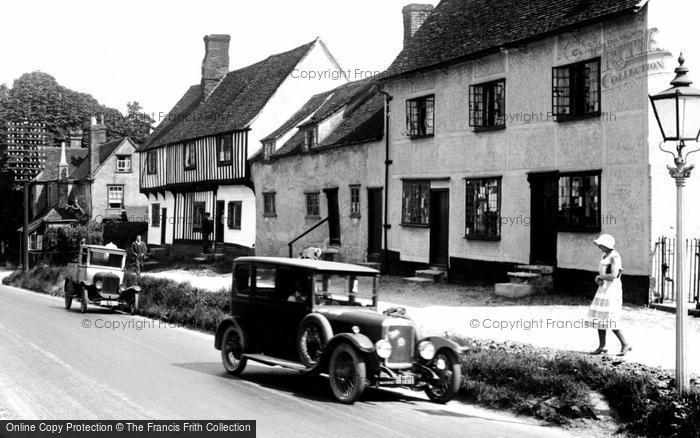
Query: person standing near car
206,232
139,249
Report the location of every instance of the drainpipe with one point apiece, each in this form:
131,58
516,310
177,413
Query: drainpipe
387,162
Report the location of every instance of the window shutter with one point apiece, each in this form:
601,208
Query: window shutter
229,216
238,212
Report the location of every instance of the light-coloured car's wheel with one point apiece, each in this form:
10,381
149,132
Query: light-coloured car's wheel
83,299
134,305
68,293
232,351
446,365
312,336
348,373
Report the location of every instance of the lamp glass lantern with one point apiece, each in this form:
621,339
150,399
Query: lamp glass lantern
677,109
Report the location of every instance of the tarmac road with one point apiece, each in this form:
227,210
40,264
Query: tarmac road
58,364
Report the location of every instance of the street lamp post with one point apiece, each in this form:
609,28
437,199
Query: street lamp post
677,112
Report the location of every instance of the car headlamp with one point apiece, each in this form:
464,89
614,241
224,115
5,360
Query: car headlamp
426,349
383,348
98,284
122,287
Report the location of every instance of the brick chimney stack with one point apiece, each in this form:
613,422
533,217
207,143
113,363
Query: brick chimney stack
215,62
76,138
98,136
414,15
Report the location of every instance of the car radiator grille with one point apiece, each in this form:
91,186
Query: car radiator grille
401,340
110,283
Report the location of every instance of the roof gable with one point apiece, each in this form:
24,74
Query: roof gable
459,29
233,104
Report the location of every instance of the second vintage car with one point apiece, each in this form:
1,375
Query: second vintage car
98,278
321,317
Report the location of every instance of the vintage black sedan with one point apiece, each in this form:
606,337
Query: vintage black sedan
321,317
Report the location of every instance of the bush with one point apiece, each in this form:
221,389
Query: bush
41,278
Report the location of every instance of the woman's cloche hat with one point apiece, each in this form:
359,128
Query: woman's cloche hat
605,240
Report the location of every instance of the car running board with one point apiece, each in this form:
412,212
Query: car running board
268,360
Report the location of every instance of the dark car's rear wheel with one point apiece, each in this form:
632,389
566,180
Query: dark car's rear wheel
83,299
232,351
347,373
68,293
447,367
134,305
312,337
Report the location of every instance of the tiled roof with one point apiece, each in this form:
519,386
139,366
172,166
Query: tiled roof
107,149
363,118
74,156
234,103
53,214
459,29
304,112
187,103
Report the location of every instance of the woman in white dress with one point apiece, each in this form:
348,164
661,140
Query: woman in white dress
606,308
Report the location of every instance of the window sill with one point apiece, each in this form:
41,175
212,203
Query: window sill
125,171
484,238
191,168
355,215
151,173
269,214
478,129
313,217
409,225
234,228
225,163
419,137
574,118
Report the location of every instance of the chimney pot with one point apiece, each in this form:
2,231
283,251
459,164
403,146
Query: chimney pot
414,15
215,62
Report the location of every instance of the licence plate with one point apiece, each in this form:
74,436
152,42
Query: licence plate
109,303
408,380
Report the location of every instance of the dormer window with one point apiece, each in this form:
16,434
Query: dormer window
268,149
123,163
310,138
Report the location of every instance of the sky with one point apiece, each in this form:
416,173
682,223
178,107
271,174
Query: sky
151,51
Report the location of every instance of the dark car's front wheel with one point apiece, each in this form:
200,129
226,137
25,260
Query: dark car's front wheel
313,335
347,373
232,351
446,366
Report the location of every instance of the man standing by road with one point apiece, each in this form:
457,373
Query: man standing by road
139,249
206,233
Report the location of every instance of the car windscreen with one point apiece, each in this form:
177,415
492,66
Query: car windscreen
105,258
345,289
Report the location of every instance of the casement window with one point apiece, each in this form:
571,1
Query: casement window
416,203
115,196
483,209
576,90
313,207
234,215
579,201
190,156
155,215
198,210
123,163
355,201
420,116
269,205
268,149
487,105
151,162
310,138
224,149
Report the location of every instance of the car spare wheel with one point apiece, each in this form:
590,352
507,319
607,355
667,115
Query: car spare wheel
347,373
312,336
232,351
83,299
68,292
449,371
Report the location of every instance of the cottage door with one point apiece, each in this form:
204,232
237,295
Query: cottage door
163,222
220,221
333,216
439,226
374,223
543,218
